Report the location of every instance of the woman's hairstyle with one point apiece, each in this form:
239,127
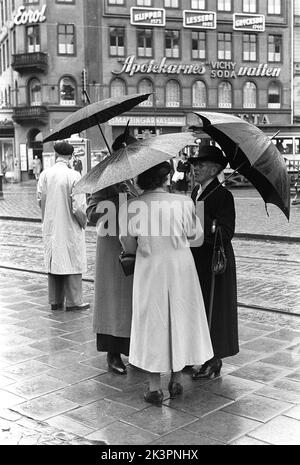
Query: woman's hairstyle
154,177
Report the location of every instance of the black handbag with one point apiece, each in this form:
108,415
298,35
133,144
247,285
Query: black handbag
219,259
127,261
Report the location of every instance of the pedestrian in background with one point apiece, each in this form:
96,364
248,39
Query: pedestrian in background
219,211
77,164
37,167
113,290
169,327
64,221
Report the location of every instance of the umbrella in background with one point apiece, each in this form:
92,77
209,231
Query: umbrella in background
94,114
252,154
132,160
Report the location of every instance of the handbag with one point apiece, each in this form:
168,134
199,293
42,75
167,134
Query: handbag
219,259
127,261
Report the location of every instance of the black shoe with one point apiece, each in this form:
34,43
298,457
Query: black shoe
154,397
115,363
78,307
175,389
57,306
210,369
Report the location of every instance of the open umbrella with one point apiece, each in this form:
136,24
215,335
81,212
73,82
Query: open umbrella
252,154
132,160
94,114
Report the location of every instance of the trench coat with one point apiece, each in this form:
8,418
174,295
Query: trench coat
113,290
224,327
64,220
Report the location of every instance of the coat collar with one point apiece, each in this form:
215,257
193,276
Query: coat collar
212,185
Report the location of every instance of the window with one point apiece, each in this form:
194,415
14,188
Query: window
146,87
172,94
66,39
144,42
224,45
224,5
274,7
249,6
249,95
33,42
274,48
117,40
171,3
65,1
225,95
199,95
116,2
198,4
172,43
67,91
117,88
274,95
144,2
35,92
249,47
198,45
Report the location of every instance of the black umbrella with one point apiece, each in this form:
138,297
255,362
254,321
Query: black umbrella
94,114
252,154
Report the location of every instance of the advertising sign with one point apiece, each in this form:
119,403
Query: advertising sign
248,22
147,16
23,157
199,19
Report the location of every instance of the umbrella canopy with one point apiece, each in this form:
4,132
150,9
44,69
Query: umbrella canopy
252,154
94,114
130,161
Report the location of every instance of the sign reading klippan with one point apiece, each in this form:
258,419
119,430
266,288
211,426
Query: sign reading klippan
200,19
245,22
148,16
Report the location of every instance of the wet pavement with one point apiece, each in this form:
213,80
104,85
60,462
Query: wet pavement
55,387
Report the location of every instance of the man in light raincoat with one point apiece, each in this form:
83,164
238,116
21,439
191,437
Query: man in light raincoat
64,221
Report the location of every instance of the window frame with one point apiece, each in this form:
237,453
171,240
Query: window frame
74,36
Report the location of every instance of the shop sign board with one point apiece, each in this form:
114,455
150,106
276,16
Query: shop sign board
148,121
248,22
199,19
27,16
147,16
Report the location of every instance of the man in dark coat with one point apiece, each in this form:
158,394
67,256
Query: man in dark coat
218,210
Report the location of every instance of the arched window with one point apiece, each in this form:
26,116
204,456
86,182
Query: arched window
145,87
67,91
199,95
274,95
117,88
35,92
172,94
249,95
225,95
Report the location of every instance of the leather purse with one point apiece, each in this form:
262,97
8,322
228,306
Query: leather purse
127,261
219,259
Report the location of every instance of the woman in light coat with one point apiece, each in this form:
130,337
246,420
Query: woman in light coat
169,326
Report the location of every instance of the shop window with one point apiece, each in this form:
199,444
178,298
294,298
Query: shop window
224,46
146,87
144,42
249,6
33,39
117,88
66,39
35,92
274,48
225,95
249,95
172,40
274,95
198,45
172,94
117,41
199,95
67,91
249,47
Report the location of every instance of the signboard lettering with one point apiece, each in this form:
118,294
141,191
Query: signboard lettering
148,121
148,16
131,67
28,16
200,19
227,69
248,22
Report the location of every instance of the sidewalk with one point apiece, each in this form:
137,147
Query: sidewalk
251,218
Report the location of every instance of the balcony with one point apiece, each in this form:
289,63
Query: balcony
30,62
30,114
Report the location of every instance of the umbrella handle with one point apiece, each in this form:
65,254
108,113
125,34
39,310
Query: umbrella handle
222,182
98,124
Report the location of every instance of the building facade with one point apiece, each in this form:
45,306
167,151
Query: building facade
233,56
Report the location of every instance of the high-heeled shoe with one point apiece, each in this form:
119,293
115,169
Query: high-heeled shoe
210,369
115,363
175,389
154,397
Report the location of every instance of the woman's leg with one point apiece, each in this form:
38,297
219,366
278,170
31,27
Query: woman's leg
154,382
175,386
154,395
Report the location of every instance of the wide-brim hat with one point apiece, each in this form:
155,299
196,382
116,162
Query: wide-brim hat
63,148
209,153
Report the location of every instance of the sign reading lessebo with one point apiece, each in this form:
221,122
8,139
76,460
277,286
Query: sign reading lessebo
27,16
244,22
148,16
199,19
